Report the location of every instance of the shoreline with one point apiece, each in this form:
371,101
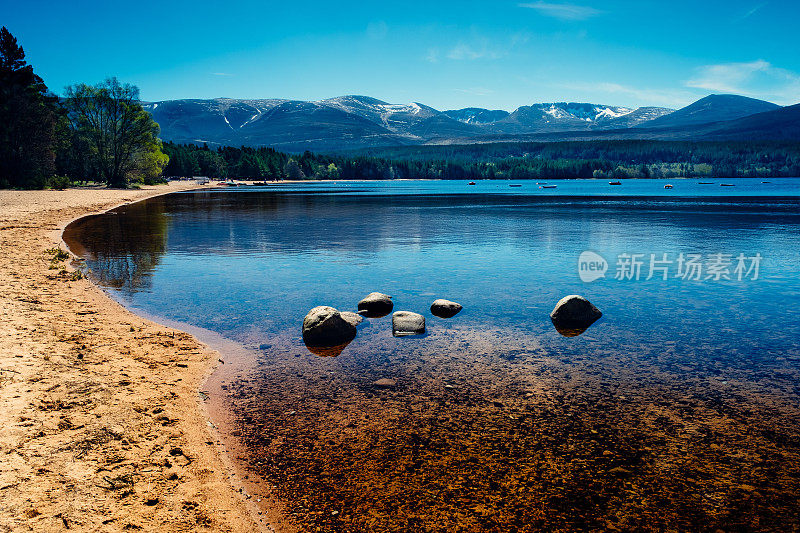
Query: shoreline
105,427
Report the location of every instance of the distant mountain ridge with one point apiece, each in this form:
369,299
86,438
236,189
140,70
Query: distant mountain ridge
712,108
353,121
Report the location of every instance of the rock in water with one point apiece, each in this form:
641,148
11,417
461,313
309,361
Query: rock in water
324,326
445,308
375,305
385,383
353,318
574,312
406,323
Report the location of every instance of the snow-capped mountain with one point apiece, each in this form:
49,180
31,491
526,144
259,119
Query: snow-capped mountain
476,115
283,124
636,117
563,116
395,117
416,121
355,121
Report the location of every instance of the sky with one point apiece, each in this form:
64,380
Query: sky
443,53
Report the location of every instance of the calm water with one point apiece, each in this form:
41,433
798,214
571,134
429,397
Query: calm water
672,364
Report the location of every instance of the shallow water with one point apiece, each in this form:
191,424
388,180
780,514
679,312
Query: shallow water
678,408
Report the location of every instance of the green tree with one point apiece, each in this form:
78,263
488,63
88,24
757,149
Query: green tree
293,171
28,120
122,137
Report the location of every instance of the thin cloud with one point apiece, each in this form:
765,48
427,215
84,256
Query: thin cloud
467,52
563,11
432,56
646,96
758,79
482,48
222,74
750,12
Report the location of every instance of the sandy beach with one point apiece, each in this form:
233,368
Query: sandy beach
103,428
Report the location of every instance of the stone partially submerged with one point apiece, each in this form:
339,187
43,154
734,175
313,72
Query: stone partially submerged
445,308
324,326
353,318
375,305
573,314
406,323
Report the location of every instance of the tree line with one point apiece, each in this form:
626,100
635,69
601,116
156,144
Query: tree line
581,159
95,132
603,159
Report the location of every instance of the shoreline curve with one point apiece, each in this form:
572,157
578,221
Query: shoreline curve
105,428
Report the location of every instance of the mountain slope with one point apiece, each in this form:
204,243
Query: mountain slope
476,115
712,108
561,116
215,121
780,124
297,126
285,124
636,117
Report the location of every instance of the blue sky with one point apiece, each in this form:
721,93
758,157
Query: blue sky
447,54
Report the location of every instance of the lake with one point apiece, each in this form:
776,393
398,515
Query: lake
679,408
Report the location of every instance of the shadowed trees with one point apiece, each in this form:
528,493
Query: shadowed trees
96,131
28,120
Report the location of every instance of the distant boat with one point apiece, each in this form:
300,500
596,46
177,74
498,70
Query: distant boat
667,186
471,183
514,185
541,183
727,185
766,182
548,186
615,183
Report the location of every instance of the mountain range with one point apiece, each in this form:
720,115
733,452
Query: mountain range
352,122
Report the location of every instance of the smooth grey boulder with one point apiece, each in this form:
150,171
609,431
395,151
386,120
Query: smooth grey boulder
445,308
375,305
324,326
574,312
353,318
405,323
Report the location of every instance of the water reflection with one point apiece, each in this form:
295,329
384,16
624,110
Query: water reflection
568,332
124,246
327,351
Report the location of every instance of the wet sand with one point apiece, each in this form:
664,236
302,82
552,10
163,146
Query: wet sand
103,426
